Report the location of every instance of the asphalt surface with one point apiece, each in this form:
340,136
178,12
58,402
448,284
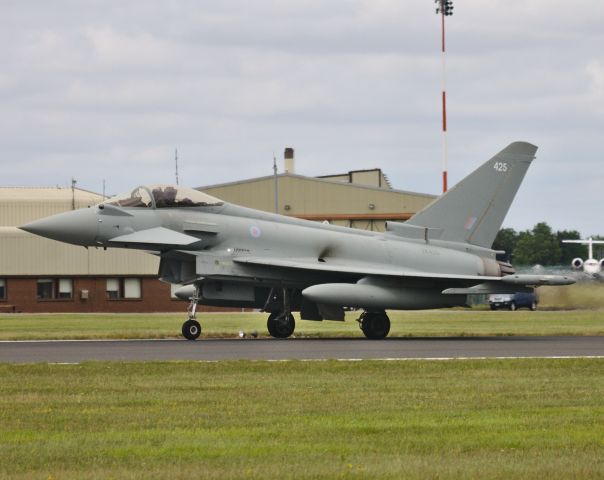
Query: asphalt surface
300,349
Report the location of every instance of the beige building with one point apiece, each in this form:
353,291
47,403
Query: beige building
360,199
42,275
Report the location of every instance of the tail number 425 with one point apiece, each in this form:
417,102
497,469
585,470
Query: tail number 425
501,166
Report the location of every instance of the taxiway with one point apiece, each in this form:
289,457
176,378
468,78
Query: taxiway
71,351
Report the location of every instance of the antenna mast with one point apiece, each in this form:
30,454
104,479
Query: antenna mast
445,9
276,183
73,184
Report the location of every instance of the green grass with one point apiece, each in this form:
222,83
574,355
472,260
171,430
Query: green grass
573,310
374,419
423,323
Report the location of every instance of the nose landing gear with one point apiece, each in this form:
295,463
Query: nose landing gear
191,329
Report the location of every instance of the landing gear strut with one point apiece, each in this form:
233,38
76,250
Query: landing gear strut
191,329
281,324
375,325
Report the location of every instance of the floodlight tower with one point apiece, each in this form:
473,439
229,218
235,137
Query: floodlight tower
445,9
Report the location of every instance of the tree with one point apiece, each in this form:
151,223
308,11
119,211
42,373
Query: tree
539,246
569,250
506,240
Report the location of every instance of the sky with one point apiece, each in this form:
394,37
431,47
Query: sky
106,90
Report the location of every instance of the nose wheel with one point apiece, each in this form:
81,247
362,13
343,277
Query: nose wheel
191,329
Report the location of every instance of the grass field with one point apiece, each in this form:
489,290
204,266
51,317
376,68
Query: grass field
502,419
573,310
424,323
373,419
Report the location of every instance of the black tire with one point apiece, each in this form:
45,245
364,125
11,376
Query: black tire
280,325
513,306
375,325
191,329
493,307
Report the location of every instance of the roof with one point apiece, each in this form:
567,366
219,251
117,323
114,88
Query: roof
19,205
49,194
318,180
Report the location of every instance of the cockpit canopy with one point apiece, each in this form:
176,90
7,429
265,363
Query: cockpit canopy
163,196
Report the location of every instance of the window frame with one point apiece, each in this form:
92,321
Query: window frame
121,290
55,289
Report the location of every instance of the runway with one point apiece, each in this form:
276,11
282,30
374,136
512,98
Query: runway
75,351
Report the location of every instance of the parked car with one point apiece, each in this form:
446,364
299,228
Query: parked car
513,301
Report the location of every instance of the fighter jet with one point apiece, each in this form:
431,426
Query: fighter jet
232,256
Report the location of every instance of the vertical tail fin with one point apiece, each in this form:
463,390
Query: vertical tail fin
474,209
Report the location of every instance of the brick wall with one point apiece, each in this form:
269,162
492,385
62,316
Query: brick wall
21,296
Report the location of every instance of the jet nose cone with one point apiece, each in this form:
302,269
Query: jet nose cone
78,227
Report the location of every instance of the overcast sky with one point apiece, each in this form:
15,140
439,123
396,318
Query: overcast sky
106,90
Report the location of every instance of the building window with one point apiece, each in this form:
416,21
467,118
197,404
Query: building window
65,288
113,288
55,288
2,289
132,288
45,288
124,288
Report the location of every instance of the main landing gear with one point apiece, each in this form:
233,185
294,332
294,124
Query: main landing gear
191,329
375,325
280,324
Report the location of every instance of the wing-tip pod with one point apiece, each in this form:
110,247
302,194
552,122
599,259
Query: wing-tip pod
538,280
511,284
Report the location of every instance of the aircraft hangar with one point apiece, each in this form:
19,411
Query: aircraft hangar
42,275
360,198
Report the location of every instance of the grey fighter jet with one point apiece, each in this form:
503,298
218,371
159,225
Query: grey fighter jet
231,256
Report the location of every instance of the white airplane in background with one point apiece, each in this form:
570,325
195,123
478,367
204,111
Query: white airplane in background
590,266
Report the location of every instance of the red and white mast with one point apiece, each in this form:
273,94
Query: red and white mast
445,9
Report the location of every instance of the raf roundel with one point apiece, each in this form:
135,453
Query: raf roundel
255,231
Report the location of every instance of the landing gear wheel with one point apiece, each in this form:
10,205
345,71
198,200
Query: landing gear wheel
280,325
375,325
191,329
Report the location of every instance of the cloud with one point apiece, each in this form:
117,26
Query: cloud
595,70
106,90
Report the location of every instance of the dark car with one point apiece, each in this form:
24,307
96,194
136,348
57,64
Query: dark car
513,301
